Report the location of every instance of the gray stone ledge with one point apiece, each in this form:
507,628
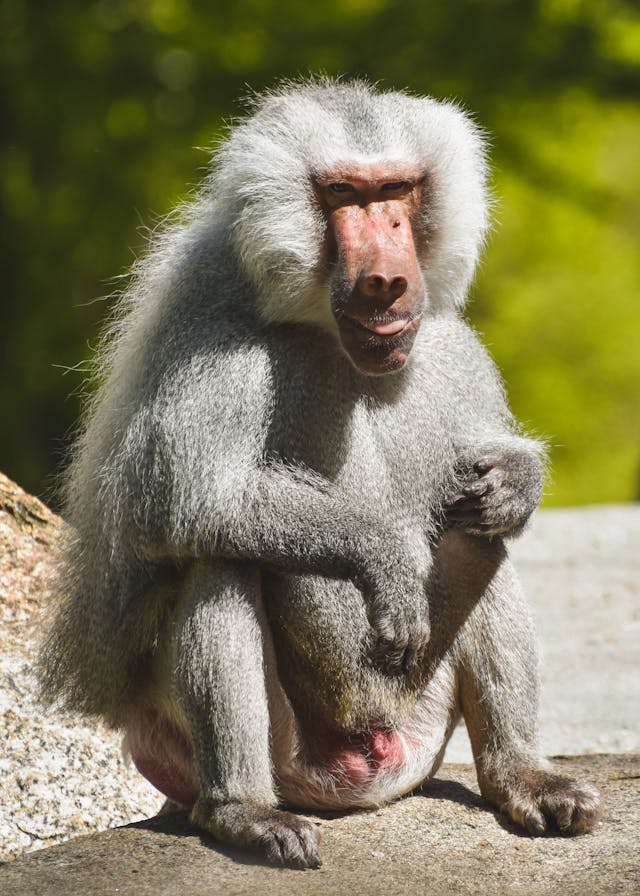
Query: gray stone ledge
443,841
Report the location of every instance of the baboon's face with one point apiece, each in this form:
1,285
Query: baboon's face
373,230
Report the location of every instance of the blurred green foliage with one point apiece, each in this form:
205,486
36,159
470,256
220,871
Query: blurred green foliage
105,102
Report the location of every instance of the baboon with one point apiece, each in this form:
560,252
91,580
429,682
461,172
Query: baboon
289,498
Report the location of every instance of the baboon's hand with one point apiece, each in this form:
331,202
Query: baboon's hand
496,494
397,607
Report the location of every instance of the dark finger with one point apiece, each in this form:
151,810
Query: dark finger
485,464
476,488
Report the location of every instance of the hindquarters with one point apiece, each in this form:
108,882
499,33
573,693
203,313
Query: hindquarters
346,732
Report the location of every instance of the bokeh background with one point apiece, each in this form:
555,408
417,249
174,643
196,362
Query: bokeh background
109,107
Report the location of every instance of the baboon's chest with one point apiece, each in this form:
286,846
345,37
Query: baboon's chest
391,458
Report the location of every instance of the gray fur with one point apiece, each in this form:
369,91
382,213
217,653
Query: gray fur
253,517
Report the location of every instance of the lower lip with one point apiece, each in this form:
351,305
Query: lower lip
381,333
389,329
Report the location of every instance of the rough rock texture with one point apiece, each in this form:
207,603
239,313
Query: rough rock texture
29,533
60,777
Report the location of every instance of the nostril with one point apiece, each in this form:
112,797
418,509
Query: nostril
398,287
374,285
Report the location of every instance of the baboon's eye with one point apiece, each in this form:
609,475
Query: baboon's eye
341,187
397,186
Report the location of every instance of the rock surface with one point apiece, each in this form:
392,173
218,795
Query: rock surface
442,842
581,570
60,777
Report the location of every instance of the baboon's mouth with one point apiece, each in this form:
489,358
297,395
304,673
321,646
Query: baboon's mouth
381,350
388,328
382,331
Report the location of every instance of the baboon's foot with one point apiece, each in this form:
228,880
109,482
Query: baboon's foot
544,803
282,838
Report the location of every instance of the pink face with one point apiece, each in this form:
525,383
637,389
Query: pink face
377,291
